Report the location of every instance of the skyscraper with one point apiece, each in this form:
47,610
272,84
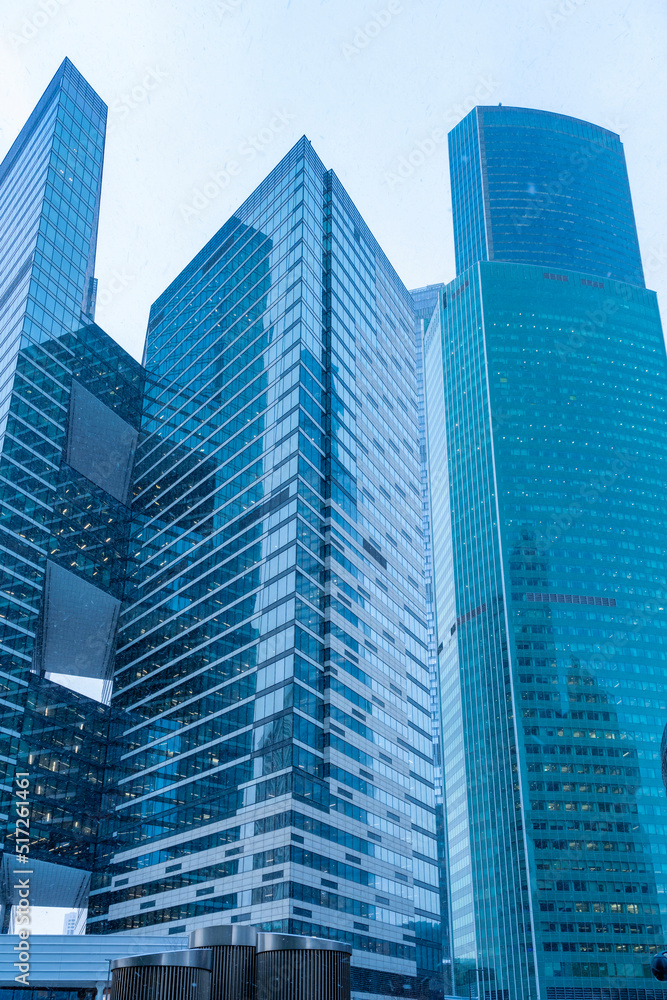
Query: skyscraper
530,187
49,188
425,301
69,410
545,385
278,767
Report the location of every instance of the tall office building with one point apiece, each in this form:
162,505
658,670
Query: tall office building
545,383
273,643
425,301
530,187
68,426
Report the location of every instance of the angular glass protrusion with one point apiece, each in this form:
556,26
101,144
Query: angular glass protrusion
100,444
78,626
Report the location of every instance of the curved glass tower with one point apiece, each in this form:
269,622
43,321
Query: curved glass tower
545,383
533,187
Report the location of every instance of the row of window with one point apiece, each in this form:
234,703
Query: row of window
597,946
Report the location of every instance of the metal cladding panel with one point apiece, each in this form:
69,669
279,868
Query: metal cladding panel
303,974
234,972
232,948
100,444
191,959
160,983
224,934
299,942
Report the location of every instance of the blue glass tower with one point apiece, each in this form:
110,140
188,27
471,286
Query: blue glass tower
49,191
532,187
425,302
545,382
278,768
70,408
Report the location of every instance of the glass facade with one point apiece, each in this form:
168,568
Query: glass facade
70,408
426,301
49,186
63,746
273,642
532,187
545,403
376,576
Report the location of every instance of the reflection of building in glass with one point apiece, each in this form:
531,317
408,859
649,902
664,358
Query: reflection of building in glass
547,458
43,288
70,414
279,768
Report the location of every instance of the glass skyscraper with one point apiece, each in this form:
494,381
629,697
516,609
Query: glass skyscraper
376,576
69,423
425,301
49,190
530,187
278,764
545,385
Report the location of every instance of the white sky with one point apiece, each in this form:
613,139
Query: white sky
223,69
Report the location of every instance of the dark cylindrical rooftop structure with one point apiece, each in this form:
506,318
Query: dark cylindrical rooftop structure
232,948
659,966
291,967
169,975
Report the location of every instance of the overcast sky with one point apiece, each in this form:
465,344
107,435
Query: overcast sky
225,87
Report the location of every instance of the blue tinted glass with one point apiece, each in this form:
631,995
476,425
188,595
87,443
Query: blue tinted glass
547,444
273,648
538,188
